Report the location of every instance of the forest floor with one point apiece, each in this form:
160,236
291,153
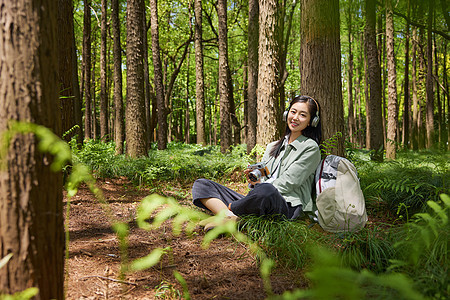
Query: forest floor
225,270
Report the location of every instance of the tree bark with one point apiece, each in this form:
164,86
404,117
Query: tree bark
224,89
321,66
415,100
429,80
136,135
391,150
374,114
69,95
268,106
158,77
199,74
406,93
118,96
87,69
31,218
253,37
103,92
351,115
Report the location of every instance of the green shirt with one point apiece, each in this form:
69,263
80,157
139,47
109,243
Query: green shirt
295,179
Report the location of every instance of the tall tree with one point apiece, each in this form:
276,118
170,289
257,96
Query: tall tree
351,113
68,85
147,86
374,114
118,96
321,66
135,125
429,80
253,37
224,88
415,100
87,69
103,92
199,74
406,93
158,77
31,218
391,151
268,106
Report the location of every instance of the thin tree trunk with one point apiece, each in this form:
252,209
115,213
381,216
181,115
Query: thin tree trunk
87,69
103,63
147,86
158,77
351,116
118,96
429,80
374,113
199,74
187,136
391,150
415,100
253,37
406,104
66,68
224,89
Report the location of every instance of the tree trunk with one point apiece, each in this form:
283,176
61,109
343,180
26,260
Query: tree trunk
118,97
187,119
406,104
158,77
268,109
351,115
374,114
199,75
67,68
136,135
31,216
87,69
321,65
103,91
391,151
147,86
224,89
415,100
429,80
253,34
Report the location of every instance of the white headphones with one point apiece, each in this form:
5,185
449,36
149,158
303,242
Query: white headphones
314,121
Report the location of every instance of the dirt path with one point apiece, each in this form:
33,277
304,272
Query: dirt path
226,270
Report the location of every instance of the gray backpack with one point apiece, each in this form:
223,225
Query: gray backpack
340,200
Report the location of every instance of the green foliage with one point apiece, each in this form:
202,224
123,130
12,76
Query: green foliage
23,295
410,181
283,240
423,249
179,161
369,248
330,144
332,281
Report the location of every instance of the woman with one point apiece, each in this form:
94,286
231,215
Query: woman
291,161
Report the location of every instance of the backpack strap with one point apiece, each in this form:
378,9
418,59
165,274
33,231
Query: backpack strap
320,176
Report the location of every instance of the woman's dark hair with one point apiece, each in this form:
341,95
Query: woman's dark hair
314,133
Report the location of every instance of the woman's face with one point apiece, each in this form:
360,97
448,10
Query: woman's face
298,118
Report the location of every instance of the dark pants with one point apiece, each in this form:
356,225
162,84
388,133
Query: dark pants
264,199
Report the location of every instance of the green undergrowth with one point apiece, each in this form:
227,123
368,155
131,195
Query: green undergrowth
178,162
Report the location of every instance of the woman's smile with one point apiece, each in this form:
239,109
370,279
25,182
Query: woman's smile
298,119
